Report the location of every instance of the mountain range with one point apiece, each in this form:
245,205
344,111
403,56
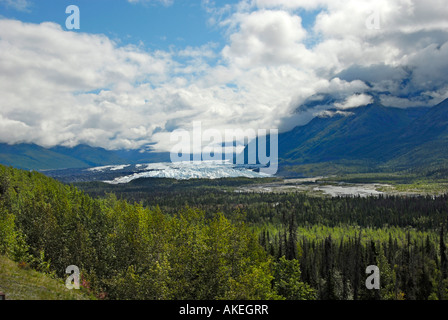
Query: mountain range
382,137
34,157
374,136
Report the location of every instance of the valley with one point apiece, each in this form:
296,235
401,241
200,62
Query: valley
199,152
342,189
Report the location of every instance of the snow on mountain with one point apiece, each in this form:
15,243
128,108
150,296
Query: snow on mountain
111,168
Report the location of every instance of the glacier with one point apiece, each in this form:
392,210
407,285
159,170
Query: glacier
183,171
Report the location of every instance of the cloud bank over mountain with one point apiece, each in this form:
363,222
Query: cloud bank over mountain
68,88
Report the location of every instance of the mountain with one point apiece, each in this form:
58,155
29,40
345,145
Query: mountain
31,156
425,140
34,157
88,155
368,138
374,136
363,133
99,156
432,125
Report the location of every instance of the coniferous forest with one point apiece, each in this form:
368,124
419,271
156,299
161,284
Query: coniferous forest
160,240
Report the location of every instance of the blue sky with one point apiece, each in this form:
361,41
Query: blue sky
153,24
139,69
157,25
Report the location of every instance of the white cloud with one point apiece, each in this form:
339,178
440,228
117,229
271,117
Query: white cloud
164,2
354,101
266,38
330,114
20,5
291,4
61,87
45,73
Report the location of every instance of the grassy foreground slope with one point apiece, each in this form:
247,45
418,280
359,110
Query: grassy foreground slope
22,283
